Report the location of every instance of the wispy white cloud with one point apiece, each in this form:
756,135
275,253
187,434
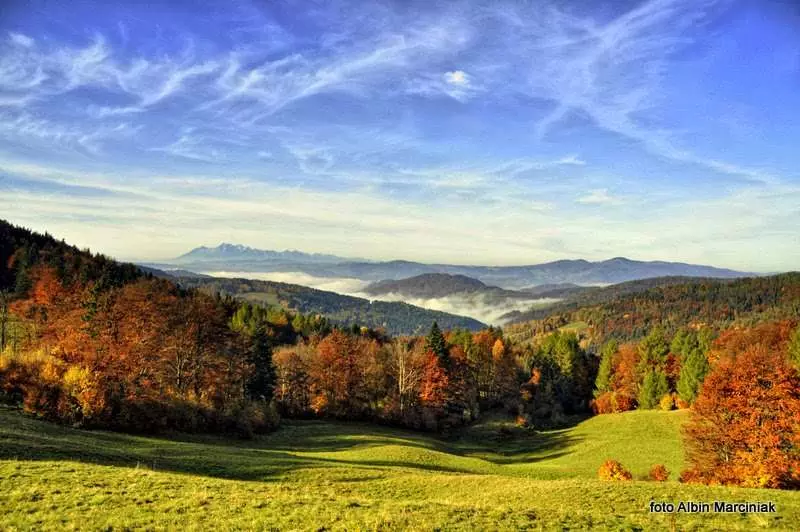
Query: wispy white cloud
455,84
355,123
20,39
737,230
599,196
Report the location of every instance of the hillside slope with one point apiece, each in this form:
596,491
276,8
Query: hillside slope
626,312
396,317
344,476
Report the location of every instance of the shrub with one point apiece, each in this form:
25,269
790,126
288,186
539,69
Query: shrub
613,470
681,404
667,402
603,404
623,402
659,473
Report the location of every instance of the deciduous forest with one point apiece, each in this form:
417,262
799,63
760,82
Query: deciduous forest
93,343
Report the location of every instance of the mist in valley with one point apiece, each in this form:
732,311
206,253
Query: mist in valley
489,309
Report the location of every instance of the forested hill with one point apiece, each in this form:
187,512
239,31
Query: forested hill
21,250
396,318
92,342
573,297
694,303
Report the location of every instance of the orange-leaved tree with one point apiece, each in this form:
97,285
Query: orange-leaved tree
745,426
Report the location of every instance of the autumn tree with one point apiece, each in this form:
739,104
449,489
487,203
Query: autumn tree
406,364
505,382
626,378
745,424
293,389
337,377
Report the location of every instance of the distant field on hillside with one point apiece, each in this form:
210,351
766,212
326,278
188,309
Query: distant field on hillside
315,475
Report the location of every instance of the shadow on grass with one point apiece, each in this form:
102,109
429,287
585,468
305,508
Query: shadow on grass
293,447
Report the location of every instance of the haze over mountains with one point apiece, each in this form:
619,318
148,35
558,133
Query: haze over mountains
489,294
243,259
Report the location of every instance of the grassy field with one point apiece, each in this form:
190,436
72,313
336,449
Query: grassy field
335,476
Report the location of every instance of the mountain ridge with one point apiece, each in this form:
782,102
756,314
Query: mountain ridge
238,258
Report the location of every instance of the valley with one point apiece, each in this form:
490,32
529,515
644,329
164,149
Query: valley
344,476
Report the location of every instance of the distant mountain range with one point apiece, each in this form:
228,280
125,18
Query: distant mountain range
237,253
236,258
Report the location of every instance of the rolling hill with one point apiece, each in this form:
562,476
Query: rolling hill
396,317
627,311
435,285
329,475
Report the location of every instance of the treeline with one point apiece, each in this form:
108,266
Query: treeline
88,341
435,382
654,373
743,388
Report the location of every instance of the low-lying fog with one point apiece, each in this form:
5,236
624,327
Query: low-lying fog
482,307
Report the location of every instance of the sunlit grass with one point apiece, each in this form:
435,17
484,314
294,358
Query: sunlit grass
311,475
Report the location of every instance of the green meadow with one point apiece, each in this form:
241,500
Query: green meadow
319,475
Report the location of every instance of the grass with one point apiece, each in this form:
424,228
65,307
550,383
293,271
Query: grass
346,476
576,327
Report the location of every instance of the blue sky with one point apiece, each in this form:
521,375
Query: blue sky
467,132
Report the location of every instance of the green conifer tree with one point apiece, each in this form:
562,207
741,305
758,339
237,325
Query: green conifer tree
693,372
653,388
435,342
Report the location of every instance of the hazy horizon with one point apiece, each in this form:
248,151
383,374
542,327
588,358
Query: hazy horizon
482,133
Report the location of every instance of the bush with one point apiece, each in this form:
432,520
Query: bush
667,402
613,470
659,473
623,402
691,476
681,404
603,404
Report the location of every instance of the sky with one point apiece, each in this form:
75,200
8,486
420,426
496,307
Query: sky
462,132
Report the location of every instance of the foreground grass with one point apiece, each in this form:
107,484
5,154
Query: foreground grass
319,475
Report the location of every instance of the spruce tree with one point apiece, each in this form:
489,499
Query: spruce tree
261,383
435,342
654,387
606,368
653,350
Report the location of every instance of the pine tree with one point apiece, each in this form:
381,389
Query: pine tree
653,389
604,372
653,350
435,342
693,372
261,384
